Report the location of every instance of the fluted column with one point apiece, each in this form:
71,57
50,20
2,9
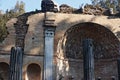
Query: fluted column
16,57
16,63
88,59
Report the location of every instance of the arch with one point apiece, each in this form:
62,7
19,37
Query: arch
33,72
106,48
4,71
106,44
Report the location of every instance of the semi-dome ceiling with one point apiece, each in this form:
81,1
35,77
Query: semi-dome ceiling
106,45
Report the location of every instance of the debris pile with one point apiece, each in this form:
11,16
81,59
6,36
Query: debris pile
64,8
93,10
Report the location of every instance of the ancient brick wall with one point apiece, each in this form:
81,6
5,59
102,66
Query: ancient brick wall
106,70
34,42
34,39
35,35
9,42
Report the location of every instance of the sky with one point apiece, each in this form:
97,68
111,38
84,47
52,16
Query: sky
32,5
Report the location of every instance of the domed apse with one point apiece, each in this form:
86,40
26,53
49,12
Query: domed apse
106,44
34,72
4,71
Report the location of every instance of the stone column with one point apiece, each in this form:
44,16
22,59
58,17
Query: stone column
16,62
49,30
20,30
88,59
118,64
16,56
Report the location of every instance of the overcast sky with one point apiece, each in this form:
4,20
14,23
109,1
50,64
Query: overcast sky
31,5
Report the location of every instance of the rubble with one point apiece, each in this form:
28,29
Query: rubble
93,10
64,8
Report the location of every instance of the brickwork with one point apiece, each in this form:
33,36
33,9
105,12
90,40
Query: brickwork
9,42
34,37
104,41
70,30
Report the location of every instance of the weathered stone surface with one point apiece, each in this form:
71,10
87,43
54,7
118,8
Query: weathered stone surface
64,22
34,39
64,8
16,61
75,35
34,43
88,55
93,10
49,6
9,41
29,59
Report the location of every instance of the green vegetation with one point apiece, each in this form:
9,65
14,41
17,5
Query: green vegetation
107,4
16,11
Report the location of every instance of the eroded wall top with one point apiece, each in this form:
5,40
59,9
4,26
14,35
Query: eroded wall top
34,40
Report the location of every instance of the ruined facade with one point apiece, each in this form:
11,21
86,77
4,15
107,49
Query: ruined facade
52,45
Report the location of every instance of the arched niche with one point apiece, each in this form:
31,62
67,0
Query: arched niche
106,49
4,71
106,44
33,72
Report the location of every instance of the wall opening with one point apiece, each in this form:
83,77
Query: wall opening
106,49
4,71
106,44
34,72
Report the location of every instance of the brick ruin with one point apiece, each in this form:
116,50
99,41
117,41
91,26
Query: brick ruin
52,46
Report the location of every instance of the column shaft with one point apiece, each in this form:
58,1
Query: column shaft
16,60
49,50
88,59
